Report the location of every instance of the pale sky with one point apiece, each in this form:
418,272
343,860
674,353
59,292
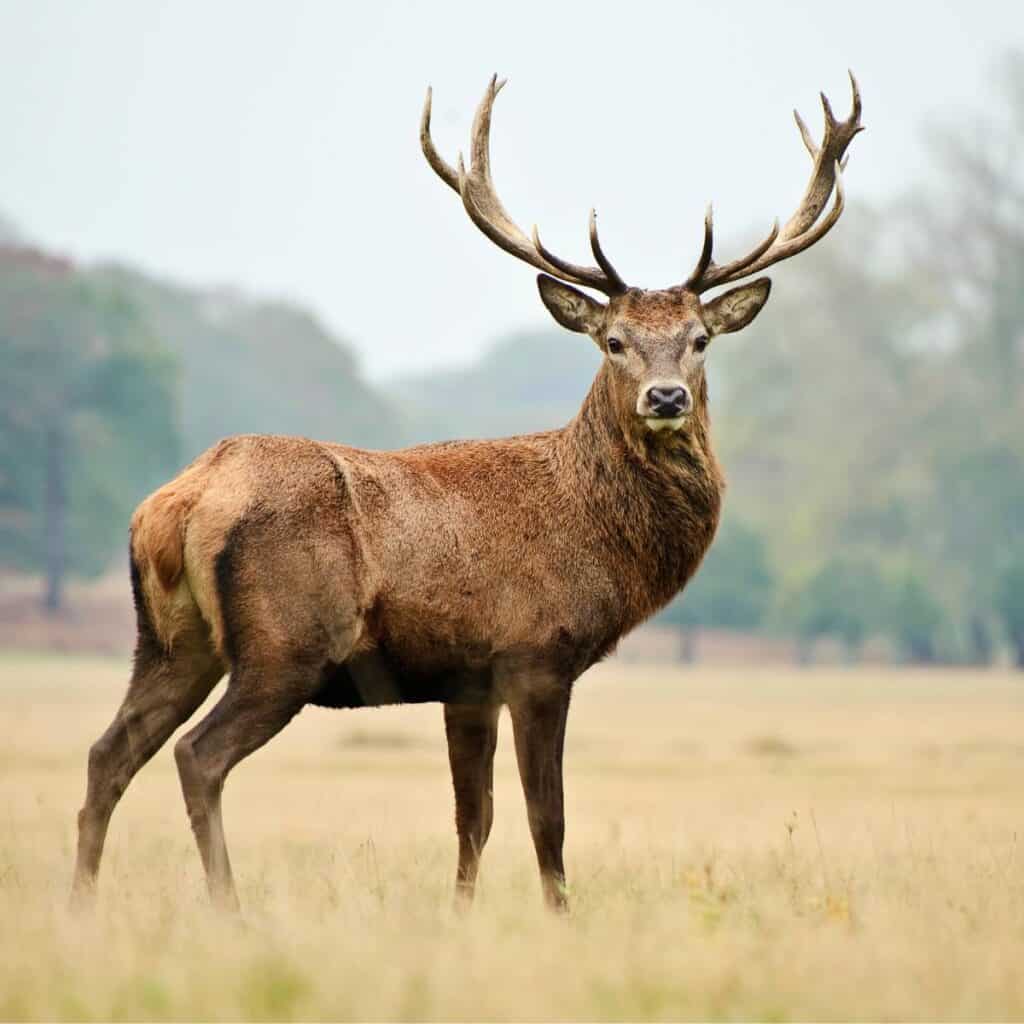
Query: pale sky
273,145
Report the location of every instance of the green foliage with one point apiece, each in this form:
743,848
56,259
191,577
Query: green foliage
841,599
914,619
88,417
851,600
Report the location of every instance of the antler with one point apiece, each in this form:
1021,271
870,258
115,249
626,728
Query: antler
476,188
803,229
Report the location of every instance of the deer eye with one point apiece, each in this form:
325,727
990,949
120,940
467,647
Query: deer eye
701,343
615,346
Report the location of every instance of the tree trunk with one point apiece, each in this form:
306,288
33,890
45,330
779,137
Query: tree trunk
922,652
55,516
981,650
1017,647
688,645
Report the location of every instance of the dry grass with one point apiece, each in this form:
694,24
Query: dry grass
775,845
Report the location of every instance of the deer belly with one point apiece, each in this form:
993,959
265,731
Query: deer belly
377,678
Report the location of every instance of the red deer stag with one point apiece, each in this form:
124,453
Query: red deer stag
477,573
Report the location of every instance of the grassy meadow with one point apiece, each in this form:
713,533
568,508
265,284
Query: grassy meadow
768,843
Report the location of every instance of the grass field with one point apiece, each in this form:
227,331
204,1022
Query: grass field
741,844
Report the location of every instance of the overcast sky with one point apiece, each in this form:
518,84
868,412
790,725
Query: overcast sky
274,146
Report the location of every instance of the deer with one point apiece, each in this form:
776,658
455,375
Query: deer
480,575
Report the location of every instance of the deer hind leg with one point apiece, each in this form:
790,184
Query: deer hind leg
538,725
258,704
287,601
165,690
472,732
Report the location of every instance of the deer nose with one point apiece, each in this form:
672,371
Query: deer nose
668,402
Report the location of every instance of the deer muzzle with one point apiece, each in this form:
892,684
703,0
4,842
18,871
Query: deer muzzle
665,405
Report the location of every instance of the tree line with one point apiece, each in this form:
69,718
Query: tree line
871,422
873,430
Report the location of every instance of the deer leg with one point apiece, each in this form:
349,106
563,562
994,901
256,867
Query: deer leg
538,725
247,716
472,732
164,691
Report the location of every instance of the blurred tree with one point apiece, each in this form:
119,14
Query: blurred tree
967,233
842,600
874,413
95,412
913,618
811,407
87,418
1009,602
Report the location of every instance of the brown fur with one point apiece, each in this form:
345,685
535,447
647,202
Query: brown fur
158,534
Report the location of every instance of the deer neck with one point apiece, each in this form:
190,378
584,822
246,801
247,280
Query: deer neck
654,499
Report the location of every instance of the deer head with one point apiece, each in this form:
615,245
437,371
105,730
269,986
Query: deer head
654,341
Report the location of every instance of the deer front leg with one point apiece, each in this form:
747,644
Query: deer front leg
538,724
472,732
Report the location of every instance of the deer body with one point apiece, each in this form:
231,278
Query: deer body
444,572
479,574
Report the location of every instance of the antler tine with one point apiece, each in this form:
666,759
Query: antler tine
704,260
837,137
602,261
855,89
830,118
803,229
791,246
810,144
610,282
480,134
476,188
442,168
706,273
805,134
742,264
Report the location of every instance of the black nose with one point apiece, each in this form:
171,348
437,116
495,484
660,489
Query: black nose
668,402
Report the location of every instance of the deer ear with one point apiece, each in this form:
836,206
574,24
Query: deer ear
735,309
571,308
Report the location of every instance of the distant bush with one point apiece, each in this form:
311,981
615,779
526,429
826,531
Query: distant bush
841,600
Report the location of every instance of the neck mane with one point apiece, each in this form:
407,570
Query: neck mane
655,498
